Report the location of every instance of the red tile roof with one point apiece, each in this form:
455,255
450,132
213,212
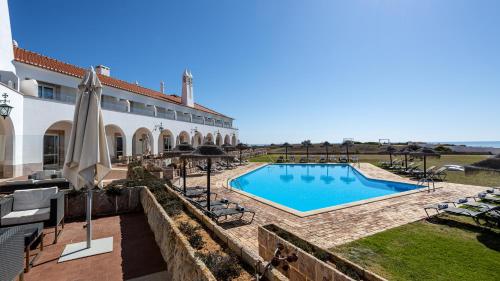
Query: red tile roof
38,60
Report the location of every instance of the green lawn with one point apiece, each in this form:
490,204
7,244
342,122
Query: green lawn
482,179
451,249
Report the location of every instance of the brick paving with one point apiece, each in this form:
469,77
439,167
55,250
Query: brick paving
135,254
338,226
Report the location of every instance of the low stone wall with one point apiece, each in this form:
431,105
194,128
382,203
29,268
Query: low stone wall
236,247
175,249
309,267
103,204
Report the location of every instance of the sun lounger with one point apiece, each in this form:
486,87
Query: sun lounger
193,192
322,160
214,204
217,214
303,160
439,174
481,212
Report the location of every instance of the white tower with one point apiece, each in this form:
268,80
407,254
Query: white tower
187,89
6,47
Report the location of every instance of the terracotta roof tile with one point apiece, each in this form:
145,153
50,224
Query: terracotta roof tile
38,60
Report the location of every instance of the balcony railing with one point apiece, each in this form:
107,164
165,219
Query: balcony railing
114,106
183,117
198,120
66,98
142,111
167,115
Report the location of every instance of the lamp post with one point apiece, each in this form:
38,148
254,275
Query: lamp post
5,109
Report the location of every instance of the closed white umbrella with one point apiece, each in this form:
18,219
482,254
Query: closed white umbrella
87,159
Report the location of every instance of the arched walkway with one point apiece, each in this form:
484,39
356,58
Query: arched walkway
209,138
165,141
142,142
227,139
6,148
197,139
55,142
218,140
183,137
116,141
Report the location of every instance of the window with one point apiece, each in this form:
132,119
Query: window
167,143
51,154
46,92
119,146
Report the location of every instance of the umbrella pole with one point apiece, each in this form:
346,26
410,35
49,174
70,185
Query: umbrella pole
240,157
89,217
406,161
425,167
184,175
209,168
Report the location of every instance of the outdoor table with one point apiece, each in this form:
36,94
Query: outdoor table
33,233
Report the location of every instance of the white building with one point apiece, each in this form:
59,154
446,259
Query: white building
42,92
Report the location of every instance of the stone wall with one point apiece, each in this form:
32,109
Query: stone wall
103,204
309,267
175,249
236,247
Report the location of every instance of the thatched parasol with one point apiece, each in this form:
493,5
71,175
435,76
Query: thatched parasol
326,145
307,144
286,146
178,151
207,151
389,150
425,152
491,164
241,146
347,144
405,151
228,147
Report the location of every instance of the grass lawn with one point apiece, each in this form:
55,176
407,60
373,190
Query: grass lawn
482,179
450,248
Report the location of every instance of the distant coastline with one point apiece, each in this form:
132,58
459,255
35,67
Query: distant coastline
494,144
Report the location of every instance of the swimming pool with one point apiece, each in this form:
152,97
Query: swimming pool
311,187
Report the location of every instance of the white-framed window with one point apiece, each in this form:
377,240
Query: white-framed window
167,143
46,92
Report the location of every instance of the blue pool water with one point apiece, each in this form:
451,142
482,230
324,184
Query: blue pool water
307,187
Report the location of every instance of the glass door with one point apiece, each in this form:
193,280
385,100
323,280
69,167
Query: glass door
51,153
119,146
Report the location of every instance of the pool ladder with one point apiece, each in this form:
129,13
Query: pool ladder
427,181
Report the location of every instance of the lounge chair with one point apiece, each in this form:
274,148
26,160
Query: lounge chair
322,159
193,192
481,212
343,159
280,159
292,158
214,204
216,214
303,160
439,174
420,174
489,197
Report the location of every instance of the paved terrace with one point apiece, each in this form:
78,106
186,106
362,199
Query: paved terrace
338,226
135,256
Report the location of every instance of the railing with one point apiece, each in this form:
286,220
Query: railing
62,98
198,120
142,111
167,115
183,117
114,106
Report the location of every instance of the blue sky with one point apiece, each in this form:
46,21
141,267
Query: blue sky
292,70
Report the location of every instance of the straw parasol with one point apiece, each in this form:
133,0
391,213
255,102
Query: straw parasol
425,152
347,144
241,146
178,151
326,145
87,160
389,150
228,147
404,151
286,146
307,144
207,151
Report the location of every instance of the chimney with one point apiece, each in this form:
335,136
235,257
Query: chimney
103,70
162,87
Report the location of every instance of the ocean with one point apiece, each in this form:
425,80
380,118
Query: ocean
494,144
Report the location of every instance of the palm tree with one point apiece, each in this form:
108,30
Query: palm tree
306,144
347,144
326,145
286,146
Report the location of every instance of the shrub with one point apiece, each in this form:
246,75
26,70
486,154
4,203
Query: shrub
223,267
196,241
114,189
442,149
187,228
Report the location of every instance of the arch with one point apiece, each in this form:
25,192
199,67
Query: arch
218,139
197,139
209,138
165,141
234,140
7,135
183,137
116,141
142,142
55,142
227,139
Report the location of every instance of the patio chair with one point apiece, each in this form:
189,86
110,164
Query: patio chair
218,213
34,205
11,253
214,204
343,159
439,174
303,160
489,197
280,159
480,212
193,191
420,174
322,159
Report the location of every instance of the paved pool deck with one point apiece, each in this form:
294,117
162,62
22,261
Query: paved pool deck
339,226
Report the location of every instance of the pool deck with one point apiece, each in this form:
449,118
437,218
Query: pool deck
339,226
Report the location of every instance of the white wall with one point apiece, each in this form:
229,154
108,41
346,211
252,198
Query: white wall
6,49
